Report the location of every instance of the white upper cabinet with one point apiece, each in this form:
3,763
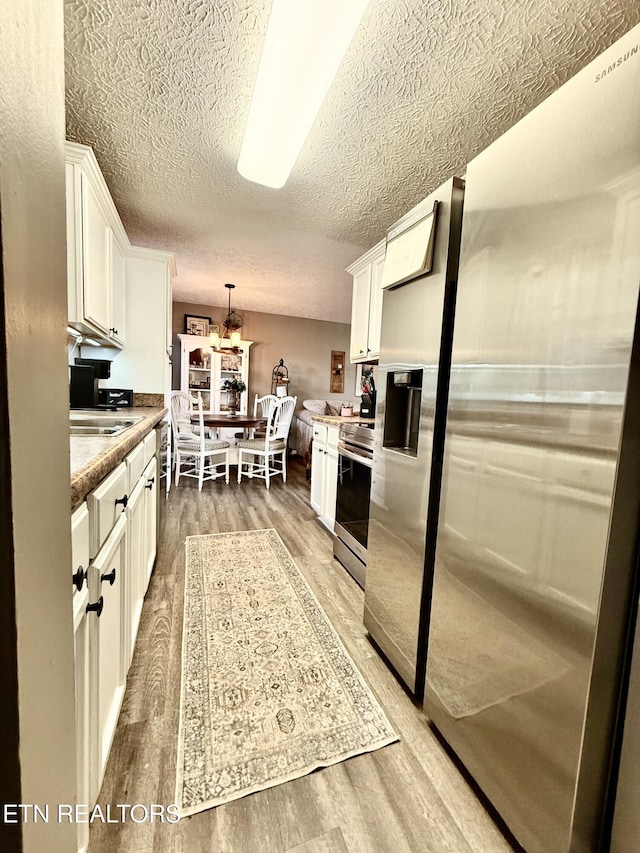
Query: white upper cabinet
366,304
360,298
97,245
118,291
145,362
96,249
375,306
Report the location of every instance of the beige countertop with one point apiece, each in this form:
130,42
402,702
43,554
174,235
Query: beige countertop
92,457
337,420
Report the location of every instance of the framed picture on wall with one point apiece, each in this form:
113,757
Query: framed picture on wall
336,383
195,325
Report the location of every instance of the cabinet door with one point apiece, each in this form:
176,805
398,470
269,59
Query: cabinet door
80,548
106,504
330,487
135,564
375,308
86,772
360,314
95,260
318,456
144,362
229,366
118,291
110,581
150,443
136,463
83,625
195,377
150,478
168,311
75,302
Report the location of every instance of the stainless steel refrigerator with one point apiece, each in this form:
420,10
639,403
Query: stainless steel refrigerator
421,267
536,556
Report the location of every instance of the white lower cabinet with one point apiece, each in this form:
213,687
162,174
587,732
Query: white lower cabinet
318,449
324,473
135,541
113,553
109,580
150,478
141,513
106,504
83,624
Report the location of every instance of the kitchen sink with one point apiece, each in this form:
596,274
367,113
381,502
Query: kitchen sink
90,424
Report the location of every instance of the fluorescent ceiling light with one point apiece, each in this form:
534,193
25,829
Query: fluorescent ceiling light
304,46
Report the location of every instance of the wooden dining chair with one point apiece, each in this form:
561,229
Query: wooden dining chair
202,456
258,457
261,410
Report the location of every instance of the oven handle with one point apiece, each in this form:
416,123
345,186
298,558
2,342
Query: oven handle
354,456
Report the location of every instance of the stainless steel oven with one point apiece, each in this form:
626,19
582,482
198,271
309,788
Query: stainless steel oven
355,460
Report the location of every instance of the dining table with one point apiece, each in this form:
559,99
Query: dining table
231,421
247,423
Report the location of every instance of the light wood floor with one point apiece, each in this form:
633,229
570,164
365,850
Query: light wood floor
405,797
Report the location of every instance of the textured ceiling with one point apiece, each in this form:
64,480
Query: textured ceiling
161,89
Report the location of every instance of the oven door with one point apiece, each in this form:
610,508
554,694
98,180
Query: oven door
352,506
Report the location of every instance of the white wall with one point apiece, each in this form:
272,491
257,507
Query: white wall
32,200
305,345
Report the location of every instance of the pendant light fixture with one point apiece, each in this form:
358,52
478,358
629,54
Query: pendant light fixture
305,43
232,324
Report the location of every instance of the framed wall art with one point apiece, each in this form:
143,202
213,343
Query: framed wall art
336,380
195,325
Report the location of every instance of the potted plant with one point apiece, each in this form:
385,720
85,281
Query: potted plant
234,387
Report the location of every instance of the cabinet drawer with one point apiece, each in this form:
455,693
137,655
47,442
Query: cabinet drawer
149,447
333,433
109,569
150,474
103,509
319,432
80,552
135,466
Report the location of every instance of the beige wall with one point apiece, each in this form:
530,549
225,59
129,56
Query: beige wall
32,194
305,345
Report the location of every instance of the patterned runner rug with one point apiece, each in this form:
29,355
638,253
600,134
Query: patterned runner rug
268,691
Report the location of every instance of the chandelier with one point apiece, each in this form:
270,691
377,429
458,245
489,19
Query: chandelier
232,324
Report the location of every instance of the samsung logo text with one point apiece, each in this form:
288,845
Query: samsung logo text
615,64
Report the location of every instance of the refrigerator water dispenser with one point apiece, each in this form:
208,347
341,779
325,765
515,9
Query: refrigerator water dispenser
402,422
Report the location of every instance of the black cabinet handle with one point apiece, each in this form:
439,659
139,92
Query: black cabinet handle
78,578
124,501
97,607
111,577
150,483
113,331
